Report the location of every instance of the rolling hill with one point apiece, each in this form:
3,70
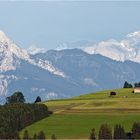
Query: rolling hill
75,117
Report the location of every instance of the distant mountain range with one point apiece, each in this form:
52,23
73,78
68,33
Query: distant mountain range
68,72
126,49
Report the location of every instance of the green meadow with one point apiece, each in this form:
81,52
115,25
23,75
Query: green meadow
75,117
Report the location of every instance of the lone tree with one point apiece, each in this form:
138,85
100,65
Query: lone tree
105,132
26,135
17,97
35,136
41,135
127,85
129,135
119,132
92,135
38,99
53,137
136,130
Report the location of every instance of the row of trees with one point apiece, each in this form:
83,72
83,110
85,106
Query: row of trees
40,135
129,85
105,132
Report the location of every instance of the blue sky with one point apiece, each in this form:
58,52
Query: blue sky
48,24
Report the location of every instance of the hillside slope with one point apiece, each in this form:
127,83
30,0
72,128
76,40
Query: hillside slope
124,102
75,117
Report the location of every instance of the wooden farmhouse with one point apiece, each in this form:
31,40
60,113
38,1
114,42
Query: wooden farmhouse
137,90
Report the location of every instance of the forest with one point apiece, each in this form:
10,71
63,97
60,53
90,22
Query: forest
16,115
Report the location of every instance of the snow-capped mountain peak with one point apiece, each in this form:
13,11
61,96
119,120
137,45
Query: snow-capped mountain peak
3,37
6,45
126,49
11,54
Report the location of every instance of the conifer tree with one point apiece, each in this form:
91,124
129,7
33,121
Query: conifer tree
127,85
105,132
136,130
53,137
38,99
41,135
92,135
35,136
26,134
119,132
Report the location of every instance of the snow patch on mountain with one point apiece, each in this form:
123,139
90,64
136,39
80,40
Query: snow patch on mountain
3,85
45,64
81,44
48,66
35,50
51,95
40,90
4,82
90,81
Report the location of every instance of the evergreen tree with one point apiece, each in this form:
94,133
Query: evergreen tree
35,136
41,135
16,135
92,135
119,132
17,97
105,132
38,99
129,135
26,134
136,130
53,137
137,84
127,85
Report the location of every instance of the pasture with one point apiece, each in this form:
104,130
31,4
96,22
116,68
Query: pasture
75,117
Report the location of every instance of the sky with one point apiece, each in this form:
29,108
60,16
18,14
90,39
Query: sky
48,24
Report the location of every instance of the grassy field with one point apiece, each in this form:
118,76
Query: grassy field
75,117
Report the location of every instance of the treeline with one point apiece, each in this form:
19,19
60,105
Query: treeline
106,132
39,136
16,116
129,85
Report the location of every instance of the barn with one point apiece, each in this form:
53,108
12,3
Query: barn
137,90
